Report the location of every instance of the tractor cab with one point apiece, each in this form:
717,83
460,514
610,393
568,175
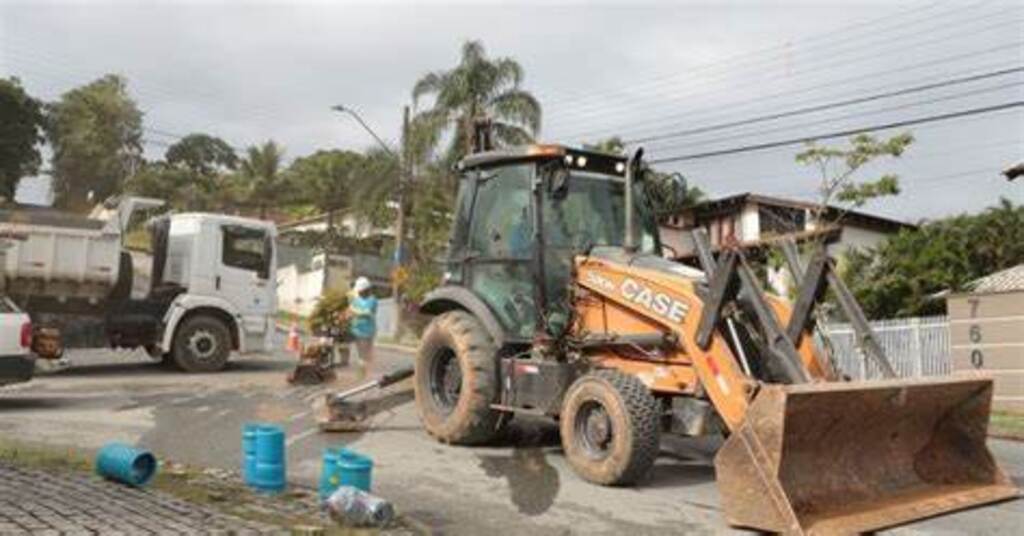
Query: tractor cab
576,199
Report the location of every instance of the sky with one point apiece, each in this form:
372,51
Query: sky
673,77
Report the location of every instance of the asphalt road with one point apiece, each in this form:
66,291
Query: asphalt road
522,486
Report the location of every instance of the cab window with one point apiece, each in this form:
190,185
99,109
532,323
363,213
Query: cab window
501,227
246,248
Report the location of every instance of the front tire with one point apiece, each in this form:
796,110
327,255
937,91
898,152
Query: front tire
202,344
457,380
610,428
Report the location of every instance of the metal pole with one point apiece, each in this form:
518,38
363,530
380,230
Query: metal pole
406,164
629,241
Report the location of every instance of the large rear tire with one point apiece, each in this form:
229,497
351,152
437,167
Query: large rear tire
201,344
610,428
457,380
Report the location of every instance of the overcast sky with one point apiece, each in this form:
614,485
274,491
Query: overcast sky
249,72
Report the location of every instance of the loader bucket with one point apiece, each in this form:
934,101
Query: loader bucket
841,458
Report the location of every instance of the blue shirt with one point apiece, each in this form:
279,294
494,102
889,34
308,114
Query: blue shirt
363,324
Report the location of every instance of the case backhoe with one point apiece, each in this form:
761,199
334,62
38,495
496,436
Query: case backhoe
556,301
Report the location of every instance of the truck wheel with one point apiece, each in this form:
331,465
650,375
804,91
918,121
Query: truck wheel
202,344
610,428
457,380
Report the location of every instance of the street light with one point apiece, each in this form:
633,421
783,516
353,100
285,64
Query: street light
400,220
350,111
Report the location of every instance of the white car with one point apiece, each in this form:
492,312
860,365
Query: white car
16,360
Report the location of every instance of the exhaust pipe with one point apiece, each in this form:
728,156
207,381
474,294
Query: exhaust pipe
629,241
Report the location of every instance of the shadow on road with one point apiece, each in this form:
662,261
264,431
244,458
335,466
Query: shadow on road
11,404
671,473
532,481
84,369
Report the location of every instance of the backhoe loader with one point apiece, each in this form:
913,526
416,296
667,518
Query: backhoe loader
557,301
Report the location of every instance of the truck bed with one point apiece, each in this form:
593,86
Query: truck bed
45,216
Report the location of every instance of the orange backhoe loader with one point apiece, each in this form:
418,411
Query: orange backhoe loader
556,301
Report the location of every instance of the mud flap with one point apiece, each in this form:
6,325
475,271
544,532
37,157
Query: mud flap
842,458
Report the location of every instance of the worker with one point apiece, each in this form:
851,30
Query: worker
362,308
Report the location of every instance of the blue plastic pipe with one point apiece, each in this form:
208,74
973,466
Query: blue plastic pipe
344,467
330,478
249,450
268,470
125,464
354,470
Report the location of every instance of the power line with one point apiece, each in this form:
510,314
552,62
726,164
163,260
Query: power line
842,133
855,115
178,137
761,99
581,107
829,106
783,48
910,157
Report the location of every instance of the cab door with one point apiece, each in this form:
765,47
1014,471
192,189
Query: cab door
244,278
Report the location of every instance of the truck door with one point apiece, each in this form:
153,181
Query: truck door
244,278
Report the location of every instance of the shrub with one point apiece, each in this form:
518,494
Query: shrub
327,313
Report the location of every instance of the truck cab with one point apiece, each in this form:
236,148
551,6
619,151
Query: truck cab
211,280
212,287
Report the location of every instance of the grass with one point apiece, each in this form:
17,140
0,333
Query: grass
186,483
1006,424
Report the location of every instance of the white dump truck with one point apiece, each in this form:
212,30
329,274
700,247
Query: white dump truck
211,283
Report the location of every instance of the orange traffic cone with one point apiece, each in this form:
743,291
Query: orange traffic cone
292,344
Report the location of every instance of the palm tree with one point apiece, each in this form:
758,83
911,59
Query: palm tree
261,177
477,91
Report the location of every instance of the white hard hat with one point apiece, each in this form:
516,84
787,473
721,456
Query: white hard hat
362,284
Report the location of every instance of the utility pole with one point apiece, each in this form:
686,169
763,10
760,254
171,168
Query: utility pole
403,183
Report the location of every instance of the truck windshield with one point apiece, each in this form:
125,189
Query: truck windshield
592,213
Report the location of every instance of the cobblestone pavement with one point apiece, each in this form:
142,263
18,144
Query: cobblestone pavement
43,504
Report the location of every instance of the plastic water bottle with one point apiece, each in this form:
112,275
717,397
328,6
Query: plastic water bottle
356,508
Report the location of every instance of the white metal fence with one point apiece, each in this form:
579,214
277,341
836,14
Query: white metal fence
914,346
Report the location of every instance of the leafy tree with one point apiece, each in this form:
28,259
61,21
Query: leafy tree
325,179
612,145
206,161
660,186
202,154
478,90
260,180
664,196
901,276
21,118
162,181
429,226
96,133
376,188
838,167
